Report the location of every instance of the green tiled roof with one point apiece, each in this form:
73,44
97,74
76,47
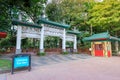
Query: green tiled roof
101,37
17,22
74,32
114,38
44,21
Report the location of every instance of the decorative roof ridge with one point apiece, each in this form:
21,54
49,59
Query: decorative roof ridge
76,32
101,37
18,22
45,21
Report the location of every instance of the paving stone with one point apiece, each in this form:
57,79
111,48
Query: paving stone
95,68
3,77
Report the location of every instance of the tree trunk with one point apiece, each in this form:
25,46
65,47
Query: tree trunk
116,45
91,29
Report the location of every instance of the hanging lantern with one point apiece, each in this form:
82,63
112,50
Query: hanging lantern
3,34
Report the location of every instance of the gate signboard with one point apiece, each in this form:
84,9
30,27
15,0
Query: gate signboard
20,61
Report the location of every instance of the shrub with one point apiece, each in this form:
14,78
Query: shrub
76,53
64,53
41,53
2,50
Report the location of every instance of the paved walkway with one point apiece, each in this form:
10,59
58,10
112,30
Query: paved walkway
54,59
49,59
94,68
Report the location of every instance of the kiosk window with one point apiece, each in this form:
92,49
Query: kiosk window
98,47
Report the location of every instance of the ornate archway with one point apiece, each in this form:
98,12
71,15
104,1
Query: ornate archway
46,28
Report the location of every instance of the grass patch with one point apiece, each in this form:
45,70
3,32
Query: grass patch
5,64
41,53
65,53
76,53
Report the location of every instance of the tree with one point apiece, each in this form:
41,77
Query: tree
9,10
105,16
73,12
35,10
53,11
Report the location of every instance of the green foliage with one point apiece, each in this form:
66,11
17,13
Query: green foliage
114,53
105,15
85,45
76,53
81,14
8,41
5,64
64,53
36,10
29,43
69,44
102,16
54,12
72,12
2,50
4,17
52,42
9,10
41,53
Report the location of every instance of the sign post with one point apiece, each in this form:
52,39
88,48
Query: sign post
20,61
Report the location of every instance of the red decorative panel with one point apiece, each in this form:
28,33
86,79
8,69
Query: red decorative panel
99,53
99,50
109,54
3,34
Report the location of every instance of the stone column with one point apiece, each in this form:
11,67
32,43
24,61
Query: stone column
42,39
18,40
64,41
75,44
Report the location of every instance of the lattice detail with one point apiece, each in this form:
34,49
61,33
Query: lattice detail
70,37
31,32
50,30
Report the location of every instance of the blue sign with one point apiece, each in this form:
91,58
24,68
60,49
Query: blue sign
20,62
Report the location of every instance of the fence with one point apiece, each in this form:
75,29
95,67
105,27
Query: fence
48,50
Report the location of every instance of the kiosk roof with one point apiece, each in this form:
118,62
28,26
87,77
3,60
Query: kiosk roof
105,36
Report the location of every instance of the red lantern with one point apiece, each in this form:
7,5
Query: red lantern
3,34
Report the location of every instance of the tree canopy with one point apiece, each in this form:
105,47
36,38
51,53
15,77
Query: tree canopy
9,9
105,15
80,14
73,12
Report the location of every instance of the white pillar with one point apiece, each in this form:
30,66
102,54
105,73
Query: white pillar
75,44
18,40
64,41
42,39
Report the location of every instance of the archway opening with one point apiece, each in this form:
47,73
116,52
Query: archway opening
53,45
